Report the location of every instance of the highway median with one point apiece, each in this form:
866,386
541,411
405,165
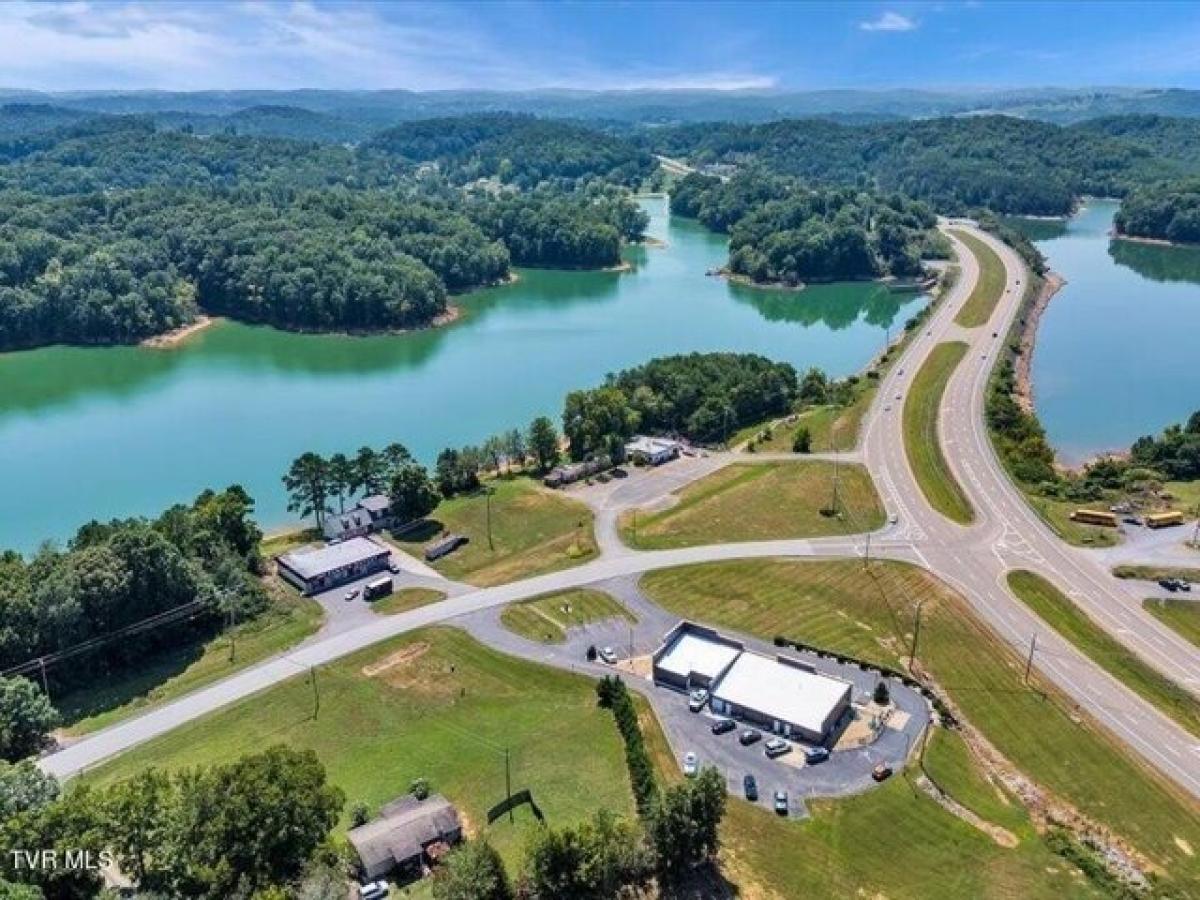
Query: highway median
921,443
989,287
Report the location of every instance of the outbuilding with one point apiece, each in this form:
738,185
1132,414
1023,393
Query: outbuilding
313,571
407,837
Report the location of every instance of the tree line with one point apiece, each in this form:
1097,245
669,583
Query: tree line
115,574
701,396
249,828
1168,211
1002,163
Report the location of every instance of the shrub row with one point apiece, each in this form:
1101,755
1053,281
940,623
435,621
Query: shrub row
611,693
945,715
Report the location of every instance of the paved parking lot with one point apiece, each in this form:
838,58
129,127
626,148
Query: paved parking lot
845,772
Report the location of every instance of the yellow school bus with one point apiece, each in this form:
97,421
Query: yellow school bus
1095,517
1164,519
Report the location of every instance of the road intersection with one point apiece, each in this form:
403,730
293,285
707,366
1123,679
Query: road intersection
975,559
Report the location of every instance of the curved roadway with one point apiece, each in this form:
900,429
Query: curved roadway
1005,535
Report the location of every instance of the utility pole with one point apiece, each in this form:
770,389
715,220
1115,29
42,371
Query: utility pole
635,526
488,500
312,677
508,785
232,616
1029,660
833,506
867,554
912,651
45,681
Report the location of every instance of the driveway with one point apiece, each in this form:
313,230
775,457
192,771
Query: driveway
845,772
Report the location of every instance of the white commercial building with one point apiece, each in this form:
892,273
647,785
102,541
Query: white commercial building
652,450
781,694
694,657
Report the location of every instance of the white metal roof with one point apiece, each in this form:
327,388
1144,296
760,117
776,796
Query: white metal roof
781,692
311,563
649,445
694,653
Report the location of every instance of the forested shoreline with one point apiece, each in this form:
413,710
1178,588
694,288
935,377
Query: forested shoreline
784,233
112,231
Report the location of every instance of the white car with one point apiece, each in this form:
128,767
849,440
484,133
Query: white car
697,700
609,656
690,764
893,519
374,891
352,594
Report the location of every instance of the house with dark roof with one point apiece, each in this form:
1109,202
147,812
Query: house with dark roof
407,837
350,524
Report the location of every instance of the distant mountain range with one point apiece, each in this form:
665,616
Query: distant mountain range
351,114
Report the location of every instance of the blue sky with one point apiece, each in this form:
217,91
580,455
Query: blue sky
180,45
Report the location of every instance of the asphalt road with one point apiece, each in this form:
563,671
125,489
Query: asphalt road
1006,535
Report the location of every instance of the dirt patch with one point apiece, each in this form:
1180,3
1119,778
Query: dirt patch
641,666
403,657
177,336
1002,836
1184,846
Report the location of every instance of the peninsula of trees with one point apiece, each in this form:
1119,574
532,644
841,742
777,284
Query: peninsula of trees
783,233
112,231
1169,211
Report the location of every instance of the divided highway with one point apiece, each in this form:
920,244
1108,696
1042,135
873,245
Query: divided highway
1005,535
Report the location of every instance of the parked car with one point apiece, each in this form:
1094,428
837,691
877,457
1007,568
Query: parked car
1131,520
893,519
814,755
776,747
881,772
352,594
609,656
1183,585
750,788
748,737
723,726
1168,584
781,802
394,567
690,764
697,700
374,891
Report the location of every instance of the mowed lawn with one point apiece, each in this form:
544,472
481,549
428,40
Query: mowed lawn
534,531
1182,615
921,443
988,289
547,618
760,501
869,612
173,673
434,704
1056,609
405,599
890,842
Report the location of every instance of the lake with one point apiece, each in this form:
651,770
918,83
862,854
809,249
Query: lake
1116,353
106,432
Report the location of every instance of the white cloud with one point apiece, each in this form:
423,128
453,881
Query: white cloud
888,21
281,44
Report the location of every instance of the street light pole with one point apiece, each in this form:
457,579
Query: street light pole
912,651
1029,659
488,500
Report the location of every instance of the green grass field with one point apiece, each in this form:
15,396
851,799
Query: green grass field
289,620
921,444
434,704
869,612
405,599
1182,615
547,618
759,501
830,427
988,289
1056,609
534,531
